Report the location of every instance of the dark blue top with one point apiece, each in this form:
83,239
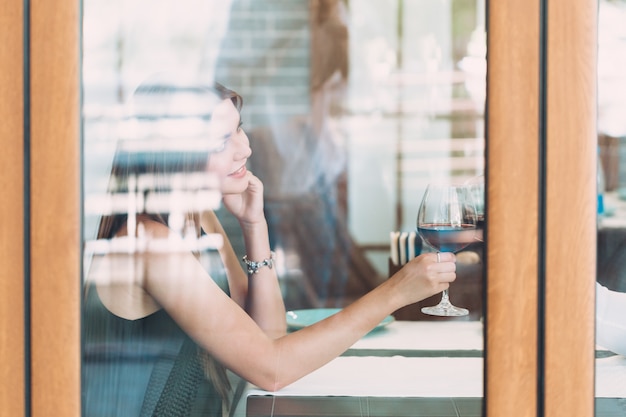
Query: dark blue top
144,367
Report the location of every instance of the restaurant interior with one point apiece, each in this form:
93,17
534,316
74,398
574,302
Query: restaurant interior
353,110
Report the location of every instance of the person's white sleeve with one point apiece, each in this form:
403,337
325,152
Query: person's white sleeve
611,319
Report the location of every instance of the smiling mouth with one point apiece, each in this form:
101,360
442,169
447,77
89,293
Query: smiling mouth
239,171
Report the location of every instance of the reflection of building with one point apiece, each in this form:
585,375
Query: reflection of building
343,150
170,195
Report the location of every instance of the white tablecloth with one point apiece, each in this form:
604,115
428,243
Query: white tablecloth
396,376
425,335
437,377
611,377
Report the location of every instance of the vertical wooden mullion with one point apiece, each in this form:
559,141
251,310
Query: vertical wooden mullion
513,91
55,202
512,175
571,207
12,343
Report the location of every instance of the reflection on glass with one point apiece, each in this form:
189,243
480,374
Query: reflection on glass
352,108
611,268
138,360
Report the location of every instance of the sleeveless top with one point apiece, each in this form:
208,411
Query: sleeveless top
144,367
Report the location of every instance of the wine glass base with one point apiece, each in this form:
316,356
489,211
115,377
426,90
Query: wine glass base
446,310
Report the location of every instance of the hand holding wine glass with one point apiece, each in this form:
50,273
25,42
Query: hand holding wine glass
446,220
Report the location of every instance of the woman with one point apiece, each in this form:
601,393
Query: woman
241,325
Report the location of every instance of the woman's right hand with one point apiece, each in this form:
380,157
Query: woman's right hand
423,277
247,206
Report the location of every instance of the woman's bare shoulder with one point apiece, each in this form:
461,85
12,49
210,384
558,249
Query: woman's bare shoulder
130,302
152,227
118,277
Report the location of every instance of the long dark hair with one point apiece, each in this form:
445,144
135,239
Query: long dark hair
155,100
128,160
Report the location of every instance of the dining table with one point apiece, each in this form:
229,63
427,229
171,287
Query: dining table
409,368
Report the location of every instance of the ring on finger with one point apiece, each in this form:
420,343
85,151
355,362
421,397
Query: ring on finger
438,258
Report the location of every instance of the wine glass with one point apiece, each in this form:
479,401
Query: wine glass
446,221
476,187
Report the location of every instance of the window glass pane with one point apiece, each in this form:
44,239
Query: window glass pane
611,276
350,109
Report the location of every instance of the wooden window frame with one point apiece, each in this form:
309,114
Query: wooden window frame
541,129
40,218
12,335
541,164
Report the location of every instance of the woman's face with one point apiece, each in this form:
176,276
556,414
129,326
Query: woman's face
228,161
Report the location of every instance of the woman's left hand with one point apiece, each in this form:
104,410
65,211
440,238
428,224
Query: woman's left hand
247,206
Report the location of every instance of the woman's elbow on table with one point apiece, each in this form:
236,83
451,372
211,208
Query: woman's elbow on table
270,383
275,374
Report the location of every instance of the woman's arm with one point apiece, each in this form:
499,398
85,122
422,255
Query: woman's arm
259,294
263,298
179,284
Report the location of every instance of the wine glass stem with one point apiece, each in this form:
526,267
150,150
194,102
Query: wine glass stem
445,300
